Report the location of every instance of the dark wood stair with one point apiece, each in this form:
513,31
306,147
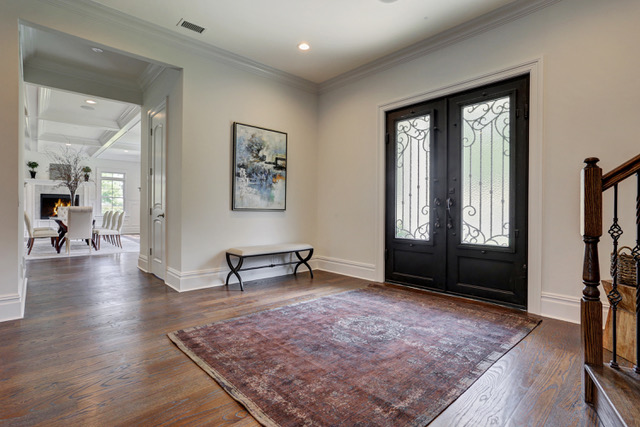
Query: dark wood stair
616,395
613,389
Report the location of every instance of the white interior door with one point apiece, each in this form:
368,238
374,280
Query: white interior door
157,191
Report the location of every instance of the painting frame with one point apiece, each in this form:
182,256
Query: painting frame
259,169
56,171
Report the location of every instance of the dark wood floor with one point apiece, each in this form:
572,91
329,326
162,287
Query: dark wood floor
92,350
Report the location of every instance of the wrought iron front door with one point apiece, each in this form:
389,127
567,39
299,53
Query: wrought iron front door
456,217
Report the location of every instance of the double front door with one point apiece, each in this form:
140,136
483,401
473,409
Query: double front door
456,204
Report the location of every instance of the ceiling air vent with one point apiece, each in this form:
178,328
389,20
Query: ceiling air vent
191,26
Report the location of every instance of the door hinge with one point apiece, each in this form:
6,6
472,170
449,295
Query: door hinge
386,254
151,131
526,111
150,251
387,139
517,233
150,171
150,211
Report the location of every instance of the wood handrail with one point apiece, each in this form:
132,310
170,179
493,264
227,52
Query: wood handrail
621,173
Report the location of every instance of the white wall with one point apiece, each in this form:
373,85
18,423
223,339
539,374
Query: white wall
590,99
212,94
12,284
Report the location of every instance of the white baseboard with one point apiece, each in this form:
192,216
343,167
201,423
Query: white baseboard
565,308
135,229
348,268
12,306
183,281
560,307
143,263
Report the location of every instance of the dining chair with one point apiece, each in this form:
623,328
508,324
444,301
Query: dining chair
79,225
39,233
106,219
109,232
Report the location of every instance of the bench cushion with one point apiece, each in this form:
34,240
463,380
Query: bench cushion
245,251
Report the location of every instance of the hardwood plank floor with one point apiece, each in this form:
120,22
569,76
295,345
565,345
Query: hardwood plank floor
92,350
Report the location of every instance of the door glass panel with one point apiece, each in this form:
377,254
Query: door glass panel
413,169
486,172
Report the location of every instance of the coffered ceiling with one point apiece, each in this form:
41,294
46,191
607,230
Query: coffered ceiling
104,129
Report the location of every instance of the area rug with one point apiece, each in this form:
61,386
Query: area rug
378,356
42,248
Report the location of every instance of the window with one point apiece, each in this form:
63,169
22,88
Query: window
112,192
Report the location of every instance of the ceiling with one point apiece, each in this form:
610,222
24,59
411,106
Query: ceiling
344,35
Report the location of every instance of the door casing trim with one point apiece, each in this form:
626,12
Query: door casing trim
532,67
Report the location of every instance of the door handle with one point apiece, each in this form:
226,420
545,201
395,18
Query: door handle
161,215
450,202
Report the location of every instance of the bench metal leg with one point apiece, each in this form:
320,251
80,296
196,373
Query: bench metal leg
235,270
303,261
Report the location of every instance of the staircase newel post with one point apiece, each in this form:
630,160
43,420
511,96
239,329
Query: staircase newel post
590,305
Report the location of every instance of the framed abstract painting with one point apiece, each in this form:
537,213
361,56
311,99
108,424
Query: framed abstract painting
259,180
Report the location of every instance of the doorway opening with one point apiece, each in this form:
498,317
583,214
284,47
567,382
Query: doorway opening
456,193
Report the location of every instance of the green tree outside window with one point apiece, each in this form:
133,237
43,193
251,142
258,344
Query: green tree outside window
112,191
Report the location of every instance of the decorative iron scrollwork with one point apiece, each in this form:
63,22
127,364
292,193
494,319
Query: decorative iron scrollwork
413,175
486,173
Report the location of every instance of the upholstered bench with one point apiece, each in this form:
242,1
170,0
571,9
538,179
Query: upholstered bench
241,253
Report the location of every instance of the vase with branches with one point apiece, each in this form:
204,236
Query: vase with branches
69,169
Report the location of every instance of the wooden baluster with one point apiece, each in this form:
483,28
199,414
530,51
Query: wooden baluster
636,255
614,296
590,305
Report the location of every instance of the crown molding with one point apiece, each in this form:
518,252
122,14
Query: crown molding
481,24
44,98
130,114
149,75
501,16
116,19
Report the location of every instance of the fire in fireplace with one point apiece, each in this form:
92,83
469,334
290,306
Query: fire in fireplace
49,204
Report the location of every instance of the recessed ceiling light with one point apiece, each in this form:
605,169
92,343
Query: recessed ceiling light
97,50
91,101
67,144
388,1
126,151
304,46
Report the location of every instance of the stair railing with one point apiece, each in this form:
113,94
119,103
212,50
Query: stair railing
593,184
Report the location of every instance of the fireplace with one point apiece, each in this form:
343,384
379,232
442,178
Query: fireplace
49,204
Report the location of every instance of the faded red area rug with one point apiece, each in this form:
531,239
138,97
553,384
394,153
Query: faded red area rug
378,356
